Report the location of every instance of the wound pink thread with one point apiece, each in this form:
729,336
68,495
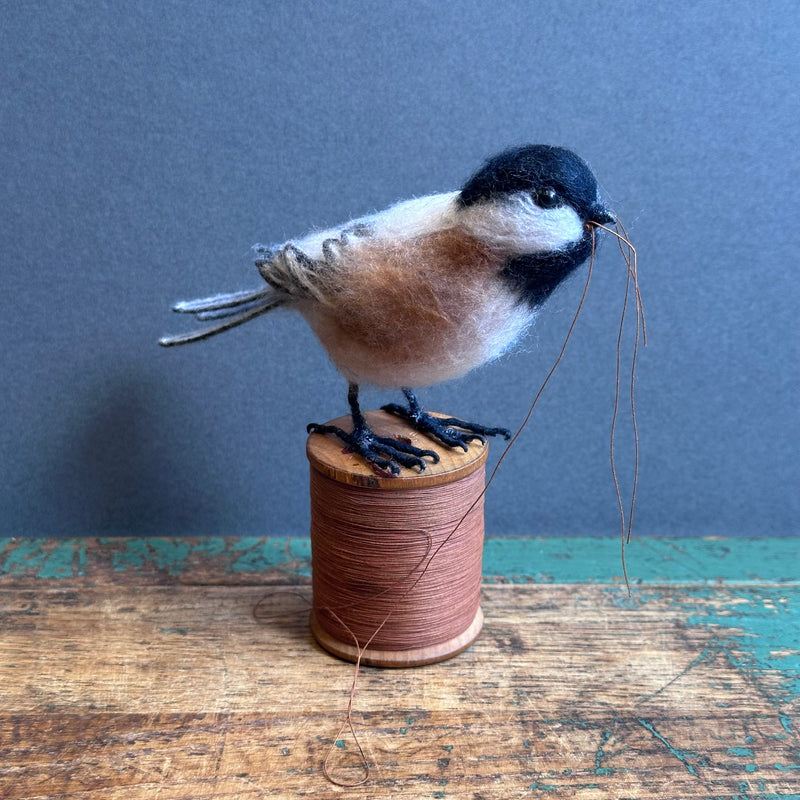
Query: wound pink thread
374,575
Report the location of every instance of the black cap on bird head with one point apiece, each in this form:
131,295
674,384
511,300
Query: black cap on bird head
552,175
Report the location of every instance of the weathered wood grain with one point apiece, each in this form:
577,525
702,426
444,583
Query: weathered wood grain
130,682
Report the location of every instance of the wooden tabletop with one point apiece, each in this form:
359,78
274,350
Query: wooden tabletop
185,668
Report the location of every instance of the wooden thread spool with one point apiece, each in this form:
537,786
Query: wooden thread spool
388,571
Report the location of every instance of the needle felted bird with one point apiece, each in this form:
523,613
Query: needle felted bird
429,288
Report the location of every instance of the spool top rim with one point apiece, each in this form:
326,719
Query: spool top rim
327,455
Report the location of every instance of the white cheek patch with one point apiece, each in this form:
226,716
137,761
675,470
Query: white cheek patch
517,226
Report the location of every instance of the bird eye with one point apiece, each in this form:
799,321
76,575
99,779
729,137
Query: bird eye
546,198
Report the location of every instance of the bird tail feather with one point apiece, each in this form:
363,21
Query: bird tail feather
233,309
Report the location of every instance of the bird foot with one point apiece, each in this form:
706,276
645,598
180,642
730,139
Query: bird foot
385,455
451,431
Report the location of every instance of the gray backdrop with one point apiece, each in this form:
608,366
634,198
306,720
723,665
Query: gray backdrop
144,150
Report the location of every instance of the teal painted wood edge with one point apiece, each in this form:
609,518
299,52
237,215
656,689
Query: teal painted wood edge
684,560
506,559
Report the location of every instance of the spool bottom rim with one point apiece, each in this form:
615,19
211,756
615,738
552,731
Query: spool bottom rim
415,657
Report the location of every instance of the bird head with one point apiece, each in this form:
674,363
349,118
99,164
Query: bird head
536,204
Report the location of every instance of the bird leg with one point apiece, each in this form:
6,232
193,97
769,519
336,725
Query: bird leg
382,452
451,431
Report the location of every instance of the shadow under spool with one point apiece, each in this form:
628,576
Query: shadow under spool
390,577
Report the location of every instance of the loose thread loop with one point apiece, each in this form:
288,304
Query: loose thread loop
348,724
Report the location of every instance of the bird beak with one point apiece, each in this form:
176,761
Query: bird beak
602,215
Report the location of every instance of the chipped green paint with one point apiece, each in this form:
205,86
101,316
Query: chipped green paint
63,558
543,787
682,755
259,555
757,630
763,796
584,559
165,554
506,559
760,634
746,794
69,558
551,787
600,755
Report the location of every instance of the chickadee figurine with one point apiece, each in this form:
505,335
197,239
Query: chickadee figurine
427,289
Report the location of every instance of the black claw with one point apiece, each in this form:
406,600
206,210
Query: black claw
482,430
450,431
382,452
387,455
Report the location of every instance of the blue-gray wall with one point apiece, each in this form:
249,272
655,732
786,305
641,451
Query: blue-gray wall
144,150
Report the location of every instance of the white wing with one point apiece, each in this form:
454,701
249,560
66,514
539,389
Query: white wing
405,220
